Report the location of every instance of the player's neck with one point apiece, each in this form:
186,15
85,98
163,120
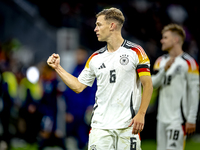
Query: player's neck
114,42
175,51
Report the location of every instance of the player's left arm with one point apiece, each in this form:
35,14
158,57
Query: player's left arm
138,120
143,71
193,98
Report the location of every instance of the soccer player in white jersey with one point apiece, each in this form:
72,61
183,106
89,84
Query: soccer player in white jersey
121,67
178,79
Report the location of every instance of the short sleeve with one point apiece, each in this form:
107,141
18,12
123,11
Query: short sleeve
143,66
87,75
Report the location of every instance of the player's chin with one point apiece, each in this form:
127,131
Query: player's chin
101,40
164,48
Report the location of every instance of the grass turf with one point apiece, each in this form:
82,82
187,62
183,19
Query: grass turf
146,145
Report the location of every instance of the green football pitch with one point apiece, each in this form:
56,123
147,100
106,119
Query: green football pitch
146,145
151,145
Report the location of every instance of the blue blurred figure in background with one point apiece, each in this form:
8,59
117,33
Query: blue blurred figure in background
79,106
49,134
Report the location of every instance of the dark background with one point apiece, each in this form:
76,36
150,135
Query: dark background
33,25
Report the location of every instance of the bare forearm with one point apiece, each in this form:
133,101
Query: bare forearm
138,120
146,96
71,81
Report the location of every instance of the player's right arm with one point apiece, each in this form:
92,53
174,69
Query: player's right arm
71,81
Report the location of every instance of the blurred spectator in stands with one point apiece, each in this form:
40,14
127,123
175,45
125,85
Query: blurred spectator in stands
79,106
8,89
177,13
9,93
30,93
50,135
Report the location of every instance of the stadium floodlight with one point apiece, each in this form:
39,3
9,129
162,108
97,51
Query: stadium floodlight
33,74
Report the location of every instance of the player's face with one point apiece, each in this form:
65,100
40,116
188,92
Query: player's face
167,41
102,29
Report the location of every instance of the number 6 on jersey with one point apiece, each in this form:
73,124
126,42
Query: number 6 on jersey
112,76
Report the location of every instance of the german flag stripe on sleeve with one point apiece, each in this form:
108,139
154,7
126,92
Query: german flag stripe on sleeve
193,67
89,59
142,67
143,70
143,58
157,64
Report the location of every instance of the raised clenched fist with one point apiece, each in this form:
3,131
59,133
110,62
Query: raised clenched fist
53,61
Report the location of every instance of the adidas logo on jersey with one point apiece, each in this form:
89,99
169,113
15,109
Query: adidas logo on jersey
173,145
102,66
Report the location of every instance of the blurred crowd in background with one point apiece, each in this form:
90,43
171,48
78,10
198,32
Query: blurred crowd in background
35,105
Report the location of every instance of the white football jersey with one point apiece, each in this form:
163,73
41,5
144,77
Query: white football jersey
118,95
179,89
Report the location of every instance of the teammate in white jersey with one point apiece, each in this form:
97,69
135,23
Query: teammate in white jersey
178,79
120,68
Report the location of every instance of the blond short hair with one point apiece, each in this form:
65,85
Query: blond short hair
177,29
112,14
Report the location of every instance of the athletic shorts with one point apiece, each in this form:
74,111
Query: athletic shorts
116,139
170,136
